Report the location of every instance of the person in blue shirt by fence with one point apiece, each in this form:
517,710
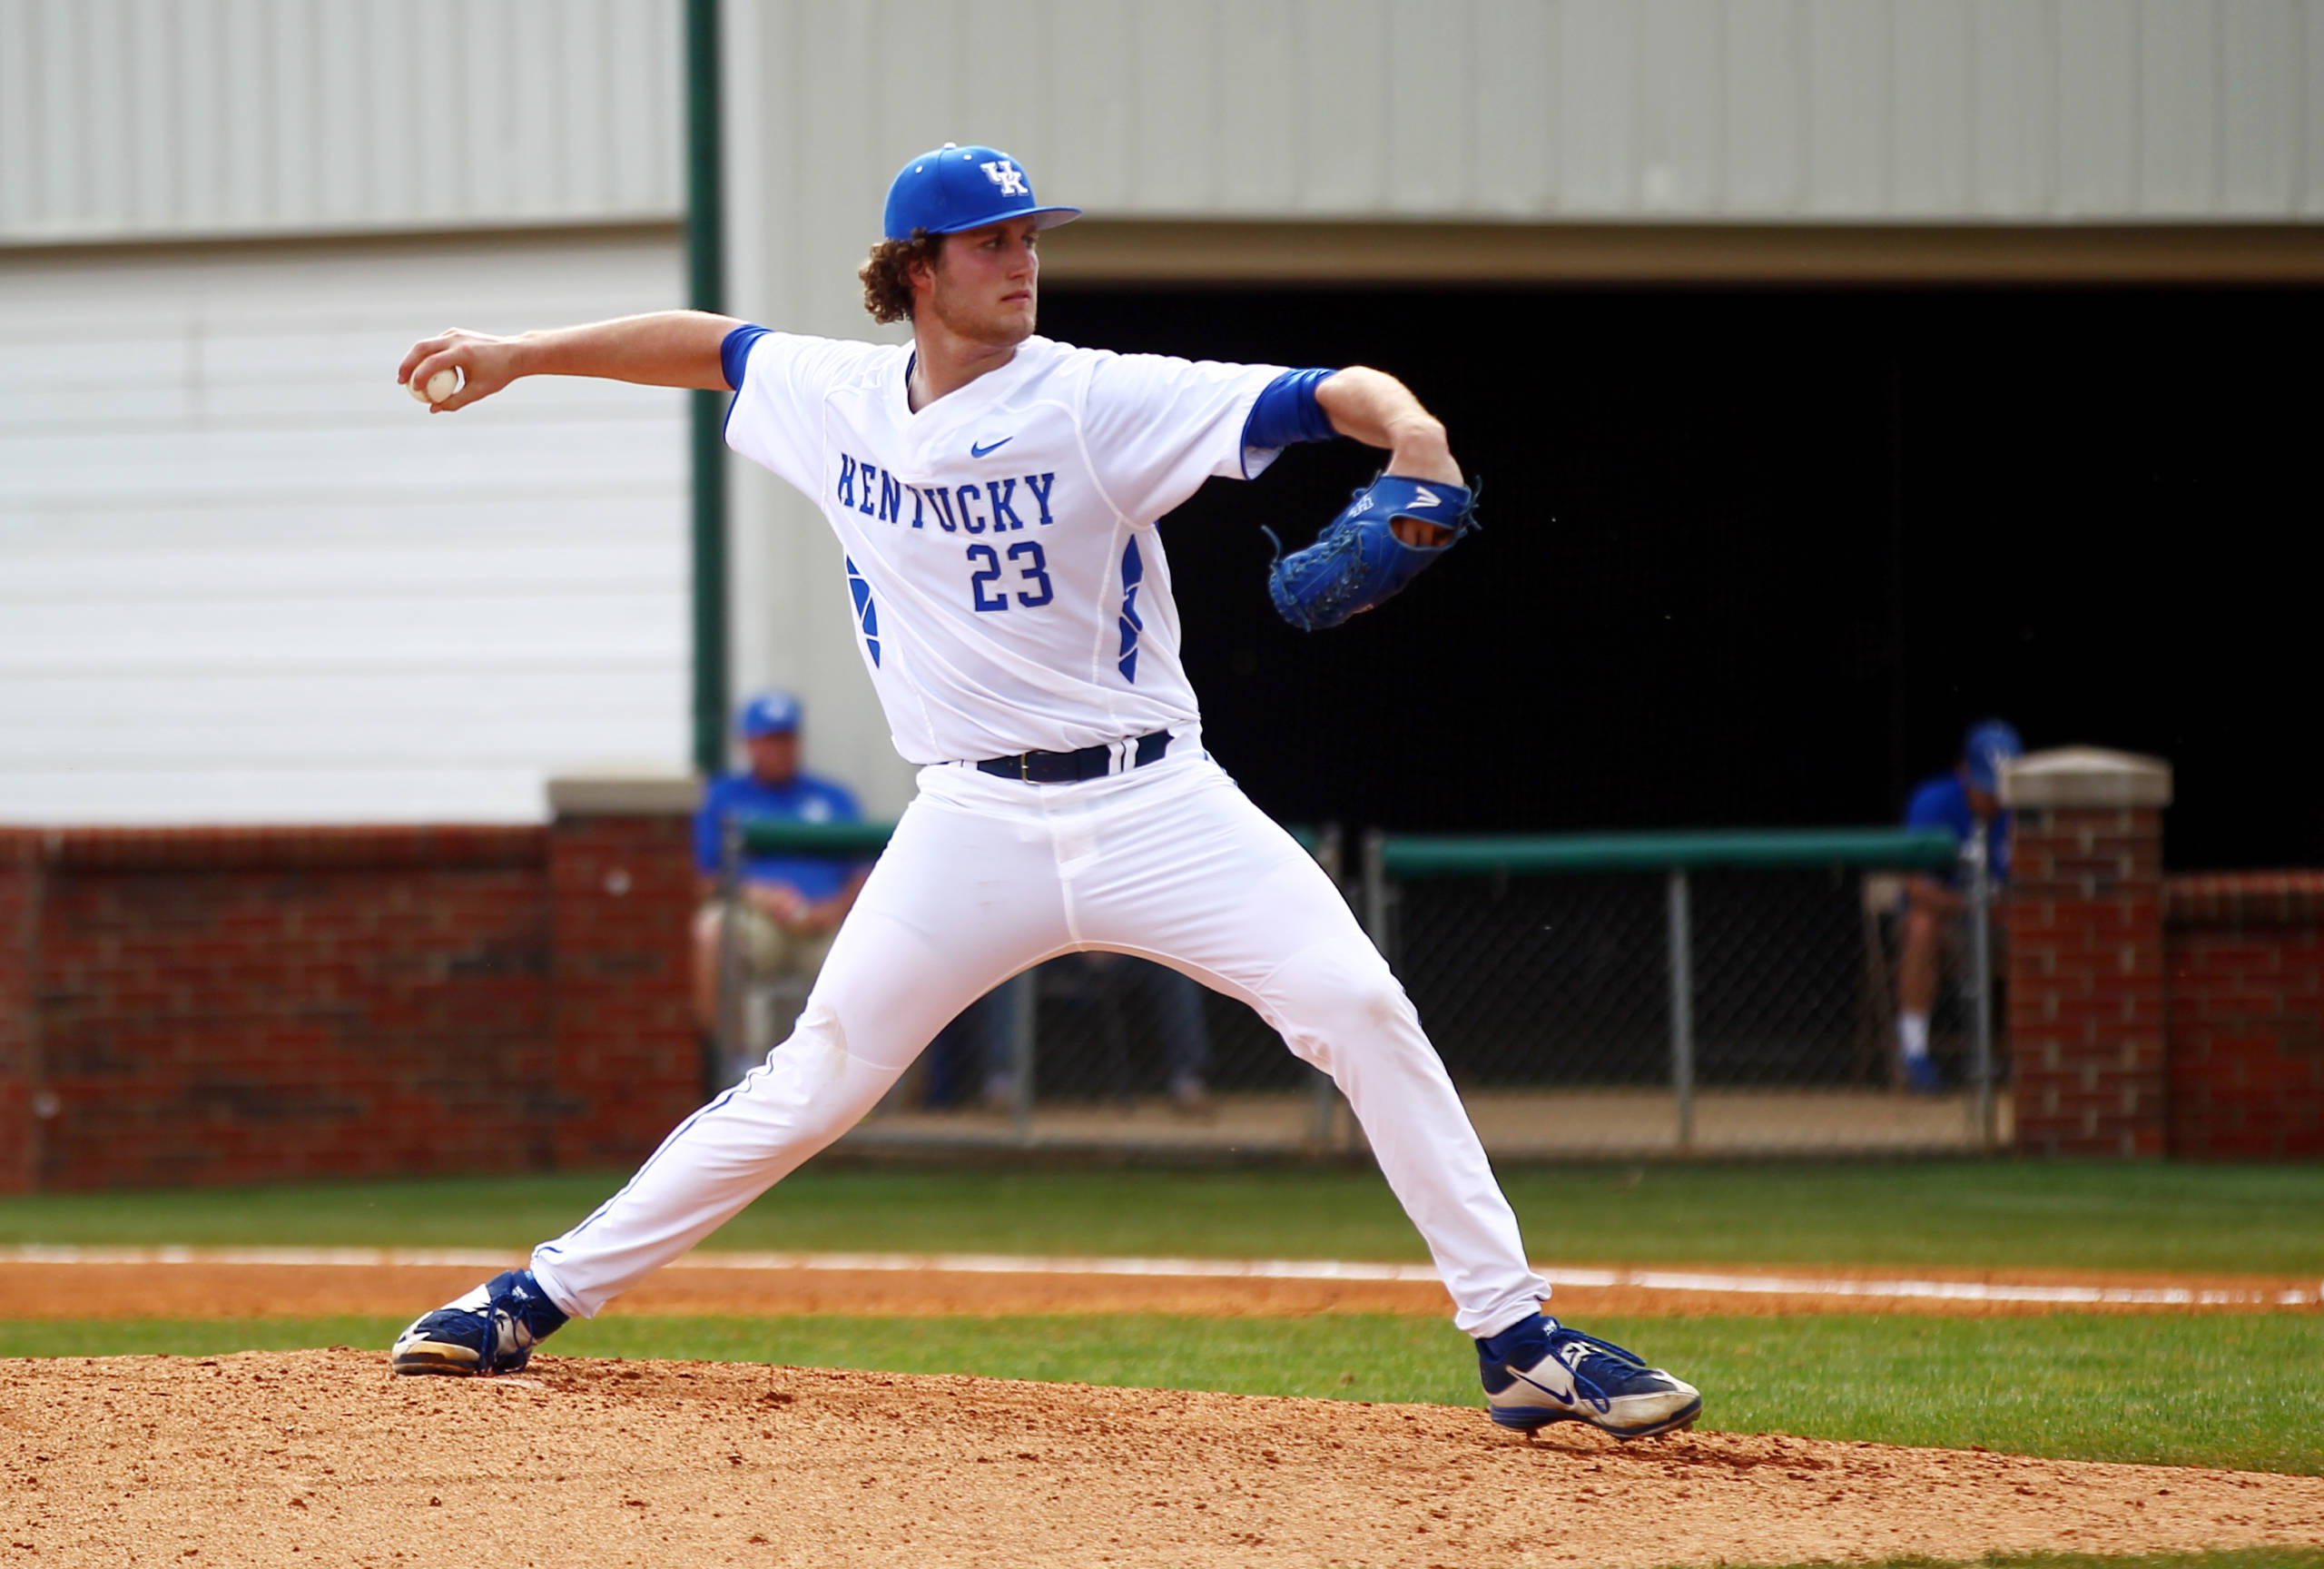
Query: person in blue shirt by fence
1961,802
790,905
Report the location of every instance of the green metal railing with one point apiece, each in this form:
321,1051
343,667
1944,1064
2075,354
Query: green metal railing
763,836
1856,849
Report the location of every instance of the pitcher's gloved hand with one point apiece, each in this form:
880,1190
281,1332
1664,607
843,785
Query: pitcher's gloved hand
1359,560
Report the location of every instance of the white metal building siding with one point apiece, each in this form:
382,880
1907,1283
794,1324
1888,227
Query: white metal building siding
243,577
175,117
170,118
1755,110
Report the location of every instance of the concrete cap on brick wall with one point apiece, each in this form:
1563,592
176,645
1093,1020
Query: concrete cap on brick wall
625,795
2086,777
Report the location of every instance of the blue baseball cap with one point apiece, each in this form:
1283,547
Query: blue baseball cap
955,188
774,712
1989,745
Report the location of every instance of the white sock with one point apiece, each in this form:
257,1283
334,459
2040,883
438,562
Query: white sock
1912,1034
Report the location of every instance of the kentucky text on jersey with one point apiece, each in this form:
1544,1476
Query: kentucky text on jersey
1042,618
970,509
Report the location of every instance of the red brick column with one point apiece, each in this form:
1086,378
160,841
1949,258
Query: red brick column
19,1039
621,896
2086,995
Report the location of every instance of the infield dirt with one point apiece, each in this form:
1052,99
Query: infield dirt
322,1456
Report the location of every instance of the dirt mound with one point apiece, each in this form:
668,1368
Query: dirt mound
272,1459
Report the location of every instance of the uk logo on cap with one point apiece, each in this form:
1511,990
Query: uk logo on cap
774,712
1990,747
957,188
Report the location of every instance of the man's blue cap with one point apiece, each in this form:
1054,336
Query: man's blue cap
956,188
1989,745
774,712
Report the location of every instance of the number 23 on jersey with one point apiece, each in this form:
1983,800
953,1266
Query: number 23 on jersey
1031,584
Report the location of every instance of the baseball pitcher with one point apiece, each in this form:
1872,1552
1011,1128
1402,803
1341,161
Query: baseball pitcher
995,495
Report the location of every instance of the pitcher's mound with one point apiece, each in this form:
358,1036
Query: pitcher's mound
324,1456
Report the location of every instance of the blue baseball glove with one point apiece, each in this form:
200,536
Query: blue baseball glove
1357,561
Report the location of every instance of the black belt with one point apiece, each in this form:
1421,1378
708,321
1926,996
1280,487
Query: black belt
1072,767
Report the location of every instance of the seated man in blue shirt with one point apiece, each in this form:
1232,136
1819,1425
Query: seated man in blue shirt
1959,803
791,905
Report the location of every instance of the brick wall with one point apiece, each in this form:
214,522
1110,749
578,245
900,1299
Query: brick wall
205,1006
2247,1015
19,1068
2151,1014
621,897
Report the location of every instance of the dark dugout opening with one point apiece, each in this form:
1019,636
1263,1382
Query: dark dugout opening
1756,558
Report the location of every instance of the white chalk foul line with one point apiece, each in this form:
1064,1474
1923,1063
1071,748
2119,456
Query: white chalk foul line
320,1258
1228,1269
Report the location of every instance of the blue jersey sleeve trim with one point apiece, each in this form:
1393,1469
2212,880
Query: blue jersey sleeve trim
735,353
1287,411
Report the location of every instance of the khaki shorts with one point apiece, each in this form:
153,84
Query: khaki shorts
766,950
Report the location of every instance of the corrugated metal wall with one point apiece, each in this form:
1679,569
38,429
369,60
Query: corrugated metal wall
1764,110
170,118
243,577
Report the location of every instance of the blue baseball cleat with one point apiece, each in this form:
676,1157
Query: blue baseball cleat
492,1329
1540,1372
1921,1077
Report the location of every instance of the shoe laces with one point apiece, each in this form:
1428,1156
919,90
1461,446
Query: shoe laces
530,1316
1599,1367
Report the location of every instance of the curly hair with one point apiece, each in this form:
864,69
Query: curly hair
887,274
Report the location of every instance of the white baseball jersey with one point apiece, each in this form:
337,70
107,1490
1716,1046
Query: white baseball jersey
1010,592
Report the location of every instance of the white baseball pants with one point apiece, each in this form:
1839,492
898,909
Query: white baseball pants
986,877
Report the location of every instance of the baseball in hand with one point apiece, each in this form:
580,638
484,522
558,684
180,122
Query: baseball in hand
440,386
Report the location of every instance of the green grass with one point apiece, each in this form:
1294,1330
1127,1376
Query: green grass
2232,1391
2214,1558
189,1336
2261,1219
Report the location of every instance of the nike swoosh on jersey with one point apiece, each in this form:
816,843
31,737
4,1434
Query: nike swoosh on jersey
977,451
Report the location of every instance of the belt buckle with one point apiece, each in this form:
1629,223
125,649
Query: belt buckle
1025,767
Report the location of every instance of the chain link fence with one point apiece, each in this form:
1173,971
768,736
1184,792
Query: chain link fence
1728,993
1601,996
